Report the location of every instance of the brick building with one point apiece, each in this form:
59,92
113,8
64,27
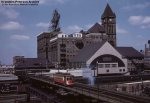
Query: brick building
59,48
94,48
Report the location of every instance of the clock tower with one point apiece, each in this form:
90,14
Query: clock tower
108,19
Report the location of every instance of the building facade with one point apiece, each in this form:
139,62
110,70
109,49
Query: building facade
20,62
7,69
147,56
104,59
135,60
95,49
26,66
59,48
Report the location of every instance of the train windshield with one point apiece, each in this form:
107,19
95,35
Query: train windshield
69,78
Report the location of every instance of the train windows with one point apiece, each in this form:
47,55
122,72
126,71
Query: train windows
69,78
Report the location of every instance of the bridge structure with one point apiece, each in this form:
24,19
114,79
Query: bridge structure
95,92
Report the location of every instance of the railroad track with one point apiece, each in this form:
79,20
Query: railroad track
114,95
101,94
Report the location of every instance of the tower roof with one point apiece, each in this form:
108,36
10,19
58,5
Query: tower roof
108,12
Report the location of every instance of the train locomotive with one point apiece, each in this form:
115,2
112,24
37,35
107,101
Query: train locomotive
63,78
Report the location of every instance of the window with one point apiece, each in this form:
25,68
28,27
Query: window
120,70
100,65
69,78
62,55
114,65
109,29
107,65
107,59
124,70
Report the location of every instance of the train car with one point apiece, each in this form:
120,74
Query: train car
133,87
63,78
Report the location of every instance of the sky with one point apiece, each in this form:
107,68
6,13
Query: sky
20,24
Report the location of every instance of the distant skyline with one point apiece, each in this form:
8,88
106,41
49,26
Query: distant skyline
20,25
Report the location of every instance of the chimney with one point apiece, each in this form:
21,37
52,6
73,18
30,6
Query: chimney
149,43
145,49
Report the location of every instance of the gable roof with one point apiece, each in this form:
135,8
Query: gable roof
129,52
96,28
108,12
87,52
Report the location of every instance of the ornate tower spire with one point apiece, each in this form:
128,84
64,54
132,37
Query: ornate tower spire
55,21
109,22
108,12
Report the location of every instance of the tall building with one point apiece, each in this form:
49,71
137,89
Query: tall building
95,48
147,49
109,22
68,51
147,56
59,48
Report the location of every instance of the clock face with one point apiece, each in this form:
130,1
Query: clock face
110,19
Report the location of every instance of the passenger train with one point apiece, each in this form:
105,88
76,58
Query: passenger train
63,78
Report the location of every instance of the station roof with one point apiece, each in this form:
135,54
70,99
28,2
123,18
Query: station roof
129,52
87,52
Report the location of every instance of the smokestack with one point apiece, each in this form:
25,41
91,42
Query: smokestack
145,49
149,43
